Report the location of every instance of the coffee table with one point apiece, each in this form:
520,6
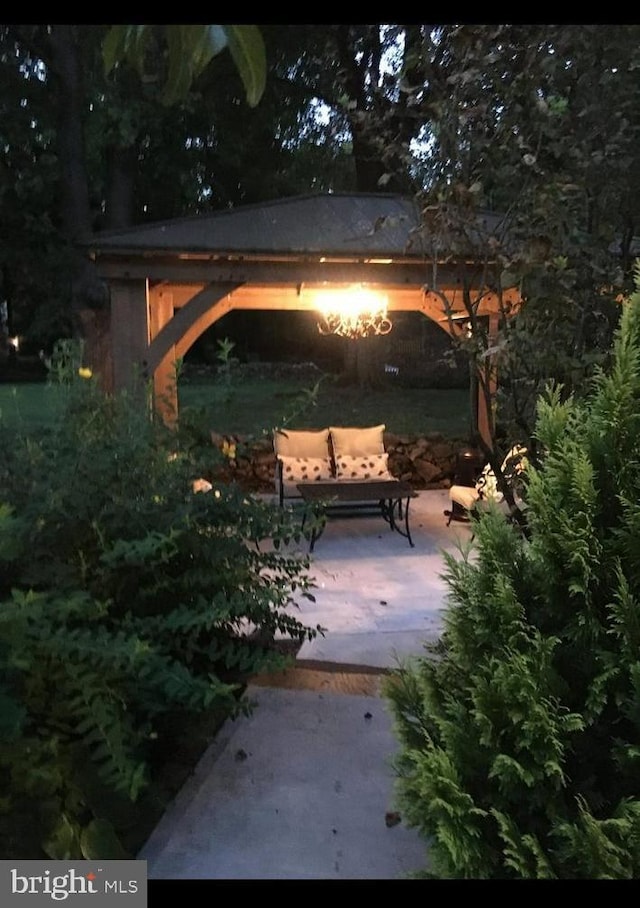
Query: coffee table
350,498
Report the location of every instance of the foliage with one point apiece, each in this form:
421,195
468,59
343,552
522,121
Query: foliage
125,597
190,48
519,730
538,122
357,76
516,120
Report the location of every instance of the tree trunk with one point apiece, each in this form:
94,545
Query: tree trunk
67,70
89,295
121,175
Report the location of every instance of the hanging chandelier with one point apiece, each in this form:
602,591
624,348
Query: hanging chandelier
353,313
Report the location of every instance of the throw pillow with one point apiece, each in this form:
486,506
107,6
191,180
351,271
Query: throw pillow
301,442
372,466
355,442
486,485
305,469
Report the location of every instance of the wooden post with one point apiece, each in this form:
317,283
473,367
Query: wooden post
165,388
129,333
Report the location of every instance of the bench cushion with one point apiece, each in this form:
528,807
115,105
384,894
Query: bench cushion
370,466
354,441
301,443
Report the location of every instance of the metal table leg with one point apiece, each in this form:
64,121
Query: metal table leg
388,507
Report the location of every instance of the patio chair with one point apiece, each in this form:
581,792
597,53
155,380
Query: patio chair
486,490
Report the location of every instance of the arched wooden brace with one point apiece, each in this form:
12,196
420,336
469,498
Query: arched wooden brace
154,326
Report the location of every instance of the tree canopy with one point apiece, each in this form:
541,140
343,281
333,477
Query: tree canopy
537,122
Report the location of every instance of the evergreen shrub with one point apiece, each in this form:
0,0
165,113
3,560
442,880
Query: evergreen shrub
519,729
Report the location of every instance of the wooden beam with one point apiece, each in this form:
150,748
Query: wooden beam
153,326
269,273
129,332
182,330
288,297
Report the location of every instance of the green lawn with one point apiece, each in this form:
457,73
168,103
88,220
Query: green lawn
30,405
249,407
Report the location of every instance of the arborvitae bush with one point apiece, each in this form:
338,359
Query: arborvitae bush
519,730
125,599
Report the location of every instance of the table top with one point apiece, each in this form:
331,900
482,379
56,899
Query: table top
354,490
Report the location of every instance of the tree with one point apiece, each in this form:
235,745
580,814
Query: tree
538,124
519,728
503,117
61,63
353,73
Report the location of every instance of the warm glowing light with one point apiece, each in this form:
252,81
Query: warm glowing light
201,485
14,342
353,313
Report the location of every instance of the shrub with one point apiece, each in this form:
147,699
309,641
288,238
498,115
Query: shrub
125,598
520,729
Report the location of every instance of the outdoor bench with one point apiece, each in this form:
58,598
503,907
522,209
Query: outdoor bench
341,471
328,455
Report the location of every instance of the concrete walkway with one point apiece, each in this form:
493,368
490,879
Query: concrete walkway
304,787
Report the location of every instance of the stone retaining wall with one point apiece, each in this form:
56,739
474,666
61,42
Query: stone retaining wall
426,461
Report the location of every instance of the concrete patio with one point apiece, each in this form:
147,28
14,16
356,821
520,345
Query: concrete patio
304,787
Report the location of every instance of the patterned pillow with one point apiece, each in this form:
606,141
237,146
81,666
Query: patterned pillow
487,486
305,469
371,466
514,464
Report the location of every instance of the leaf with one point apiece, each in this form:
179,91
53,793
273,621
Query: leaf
125,42
99,841
181,68
248,51
215,39
12,716
63,842
190,50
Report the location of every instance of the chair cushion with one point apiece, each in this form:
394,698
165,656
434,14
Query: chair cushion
305,469
357,441
370,466
465,496
301,443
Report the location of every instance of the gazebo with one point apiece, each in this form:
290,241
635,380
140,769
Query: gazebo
169,281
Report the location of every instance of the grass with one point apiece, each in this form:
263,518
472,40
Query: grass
253,406
30,405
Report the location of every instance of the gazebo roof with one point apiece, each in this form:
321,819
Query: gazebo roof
343,225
